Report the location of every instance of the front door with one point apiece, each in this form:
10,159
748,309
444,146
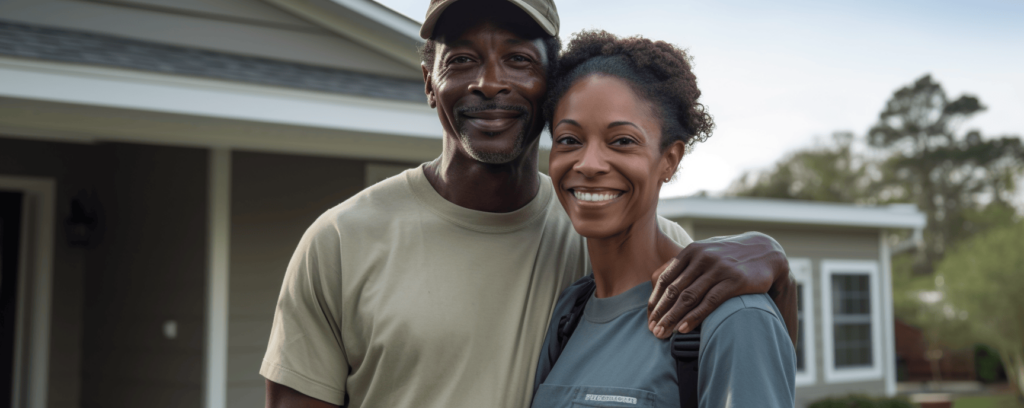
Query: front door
10,235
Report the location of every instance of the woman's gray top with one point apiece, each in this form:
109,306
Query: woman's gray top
746,358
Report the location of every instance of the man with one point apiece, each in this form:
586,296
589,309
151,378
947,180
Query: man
434,288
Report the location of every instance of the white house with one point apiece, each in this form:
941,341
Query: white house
841,261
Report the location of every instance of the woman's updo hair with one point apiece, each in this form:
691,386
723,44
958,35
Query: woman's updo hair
657,71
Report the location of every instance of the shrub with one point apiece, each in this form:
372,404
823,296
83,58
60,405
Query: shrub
861,401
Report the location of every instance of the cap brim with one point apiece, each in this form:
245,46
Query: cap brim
434,14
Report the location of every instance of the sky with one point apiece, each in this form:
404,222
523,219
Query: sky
782,75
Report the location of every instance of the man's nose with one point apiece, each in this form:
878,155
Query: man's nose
493,81
593,163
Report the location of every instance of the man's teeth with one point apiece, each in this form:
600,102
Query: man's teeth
594,196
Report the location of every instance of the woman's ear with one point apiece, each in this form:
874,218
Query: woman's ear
670,159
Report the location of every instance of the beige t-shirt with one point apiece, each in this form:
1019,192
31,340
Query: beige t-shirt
400,298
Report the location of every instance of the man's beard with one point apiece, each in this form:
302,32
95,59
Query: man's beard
518,145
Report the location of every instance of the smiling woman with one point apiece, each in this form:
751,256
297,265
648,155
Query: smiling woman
622,114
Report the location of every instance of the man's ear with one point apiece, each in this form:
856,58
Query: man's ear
428,87
670,159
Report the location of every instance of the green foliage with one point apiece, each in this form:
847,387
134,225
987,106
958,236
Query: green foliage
984,278
861,401
982,282
822,173
987,365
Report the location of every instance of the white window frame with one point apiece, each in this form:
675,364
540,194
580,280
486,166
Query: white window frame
846,267
801,269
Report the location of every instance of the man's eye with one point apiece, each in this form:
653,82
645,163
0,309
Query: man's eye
521,58
459,60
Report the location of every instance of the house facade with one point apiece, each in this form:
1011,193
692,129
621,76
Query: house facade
841,261
167,155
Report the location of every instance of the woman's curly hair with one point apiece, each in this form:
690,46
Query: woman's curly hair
658,71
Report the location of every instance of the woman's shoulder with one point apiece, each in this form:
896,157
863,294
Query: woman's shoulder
758,307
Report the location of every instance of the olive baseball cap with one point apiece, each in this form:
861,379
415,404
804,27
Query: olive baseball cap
542,11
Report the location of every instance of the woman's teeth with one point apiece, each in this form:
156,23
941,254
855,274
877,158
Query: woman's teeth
594,196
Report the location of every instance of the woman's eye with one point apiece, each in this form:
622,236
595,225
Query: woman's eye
567,140
623,141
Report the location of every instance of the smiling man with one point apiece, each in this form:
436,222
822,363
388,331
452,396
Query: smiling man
434,288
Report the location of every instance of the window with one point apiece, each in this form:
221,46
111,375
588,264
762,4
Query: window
805,357
851,319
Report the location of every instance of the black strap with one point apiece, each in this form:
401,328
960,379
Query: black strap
567,324
685,349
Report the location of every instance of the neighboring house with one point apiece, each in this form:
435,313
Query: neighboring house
167,155
841,262
914,364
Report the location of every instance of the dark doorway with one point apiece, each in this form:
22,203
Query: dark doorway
10,235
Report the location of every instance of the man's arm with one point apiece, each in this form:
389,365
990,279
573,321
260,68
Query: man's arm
280,396
706,273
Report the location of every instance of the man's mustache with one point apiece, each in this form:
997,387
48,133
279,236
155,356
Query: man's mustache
462,110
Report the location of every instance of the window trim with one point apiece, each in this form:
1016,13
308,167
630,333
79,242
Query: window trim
832,267
804,275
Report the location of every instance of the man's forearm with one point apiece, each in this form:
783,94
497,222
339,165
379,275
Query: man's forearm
280,396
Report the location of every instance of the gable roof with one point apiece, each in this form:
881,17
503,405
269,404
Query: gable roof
363,21
27,41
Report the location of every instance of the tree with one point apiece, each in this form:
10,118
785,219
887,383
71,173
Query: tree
827,172
948,175
982,281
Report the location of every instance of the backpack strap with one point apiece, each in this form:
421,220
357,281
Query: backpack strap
685,350
567,323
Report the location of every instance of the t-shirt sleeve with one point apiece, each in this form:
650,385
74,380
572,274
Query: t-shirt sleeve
305,351
674,231
747,362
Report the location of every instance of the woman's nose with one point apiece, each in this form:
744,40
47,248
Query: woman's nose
593,162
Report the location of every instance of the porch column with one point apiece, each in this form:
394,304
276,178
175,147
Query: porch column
219,229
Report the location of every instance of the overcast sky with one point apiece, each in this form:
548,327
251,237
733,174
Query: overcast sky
778,74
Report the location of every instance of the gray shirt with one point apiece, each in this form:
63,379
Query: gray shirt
746,358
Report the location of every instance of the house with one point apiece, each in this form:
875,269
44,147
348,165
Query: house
160,159
166,156
841,261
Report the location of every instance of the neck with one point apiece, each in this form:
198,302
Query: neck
497,188
622,261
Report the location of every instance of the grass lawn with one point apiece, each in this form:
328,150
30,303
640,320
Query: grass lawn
988,401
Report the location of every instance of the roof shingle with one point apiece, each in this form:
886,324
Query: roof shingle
28,41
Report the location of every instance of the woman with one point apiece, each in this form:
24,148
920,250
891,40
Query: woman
622,113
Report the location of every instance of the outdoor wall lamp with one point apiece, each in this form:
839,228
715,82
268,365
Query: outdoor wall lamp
83,221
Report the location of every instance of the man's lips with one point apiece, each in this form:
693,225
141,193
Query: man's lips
493,114
492,121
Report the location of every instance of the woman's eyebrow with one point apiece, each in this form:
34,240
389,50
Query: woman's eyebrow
624,123
569,121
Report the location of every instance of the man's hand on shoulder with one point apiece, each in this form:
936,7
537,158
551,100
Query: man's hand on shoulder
706,273
281,396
